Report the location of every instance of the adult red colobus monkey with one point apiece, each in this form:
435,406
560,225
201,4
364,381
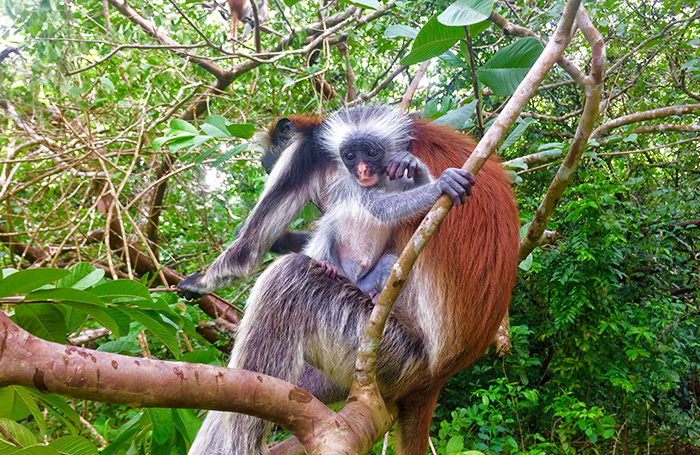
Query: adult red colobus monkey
241,11
305,327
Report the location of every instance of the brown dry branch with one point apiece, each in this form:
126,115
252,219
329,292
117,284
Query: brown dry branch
365,374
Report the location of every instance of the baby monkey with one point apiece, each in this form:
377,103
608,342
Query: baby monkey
372,196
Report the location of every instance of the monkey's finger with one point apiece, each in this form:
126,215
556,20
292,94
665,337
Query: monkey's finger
459,191
391,170
412,167
467,175
401,169
463,182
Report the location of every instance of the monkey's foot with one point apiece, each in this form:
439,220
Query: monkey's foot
329,269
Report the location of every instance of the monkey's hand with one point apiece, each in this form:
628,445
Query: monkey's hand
401,163
191,288
457,183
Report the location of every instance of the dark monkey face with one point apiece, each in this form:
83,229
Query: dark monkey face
365,158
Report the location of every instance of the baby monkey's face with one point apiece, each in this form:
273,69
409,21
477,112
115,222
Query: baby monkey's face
365,159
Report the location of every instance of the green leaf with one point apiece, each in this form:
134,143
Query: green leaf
452,59
517,132
121,346
206,154
466,12
58,406
242,130
456,118
181,125
65,295
398,30
38,450
526,264
7,449
432,40
28,400
504,71
73,445
12,405
187,423
27,280
104,317
200,356
107,84
43,320
228,155
455,444
116,290
82,276
19,432
126,433
162,420
371,4
164,331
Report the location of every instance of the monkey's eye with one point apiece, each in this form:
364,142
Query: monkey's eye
373,153
350,156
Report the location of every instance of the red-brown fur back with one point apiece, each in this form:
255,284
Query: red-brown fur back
474,253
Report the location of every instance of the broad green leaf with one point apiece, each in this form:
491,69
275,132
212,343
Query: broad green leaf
523,229
122,346
504,71
27,280
432,40
187,423
82,276
43,320
456,118
29,401
371,4
7,449
12,406
58,406
455,444
162,420
242,130
517,132
126,433
104,317
398,30
452,59
207,153
19,432
228,155
213,131
161,329
526,264
115,290
181,125
466,12
219,122
38,450
73,445
200,356
66,295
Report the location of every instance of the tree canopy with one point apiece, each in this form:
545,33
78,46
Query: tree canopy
128,161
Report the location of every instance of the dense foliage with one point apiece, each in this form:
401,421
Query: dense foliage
605,321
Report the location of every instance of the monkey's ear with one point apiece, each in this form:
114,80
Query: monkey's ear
284,125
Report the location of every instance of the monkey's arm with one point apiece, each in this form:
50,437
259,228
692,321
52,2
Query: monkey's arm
297,178
291,242
396,206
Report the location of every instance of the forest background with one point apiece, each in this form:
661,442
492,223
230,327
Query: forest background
106,175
